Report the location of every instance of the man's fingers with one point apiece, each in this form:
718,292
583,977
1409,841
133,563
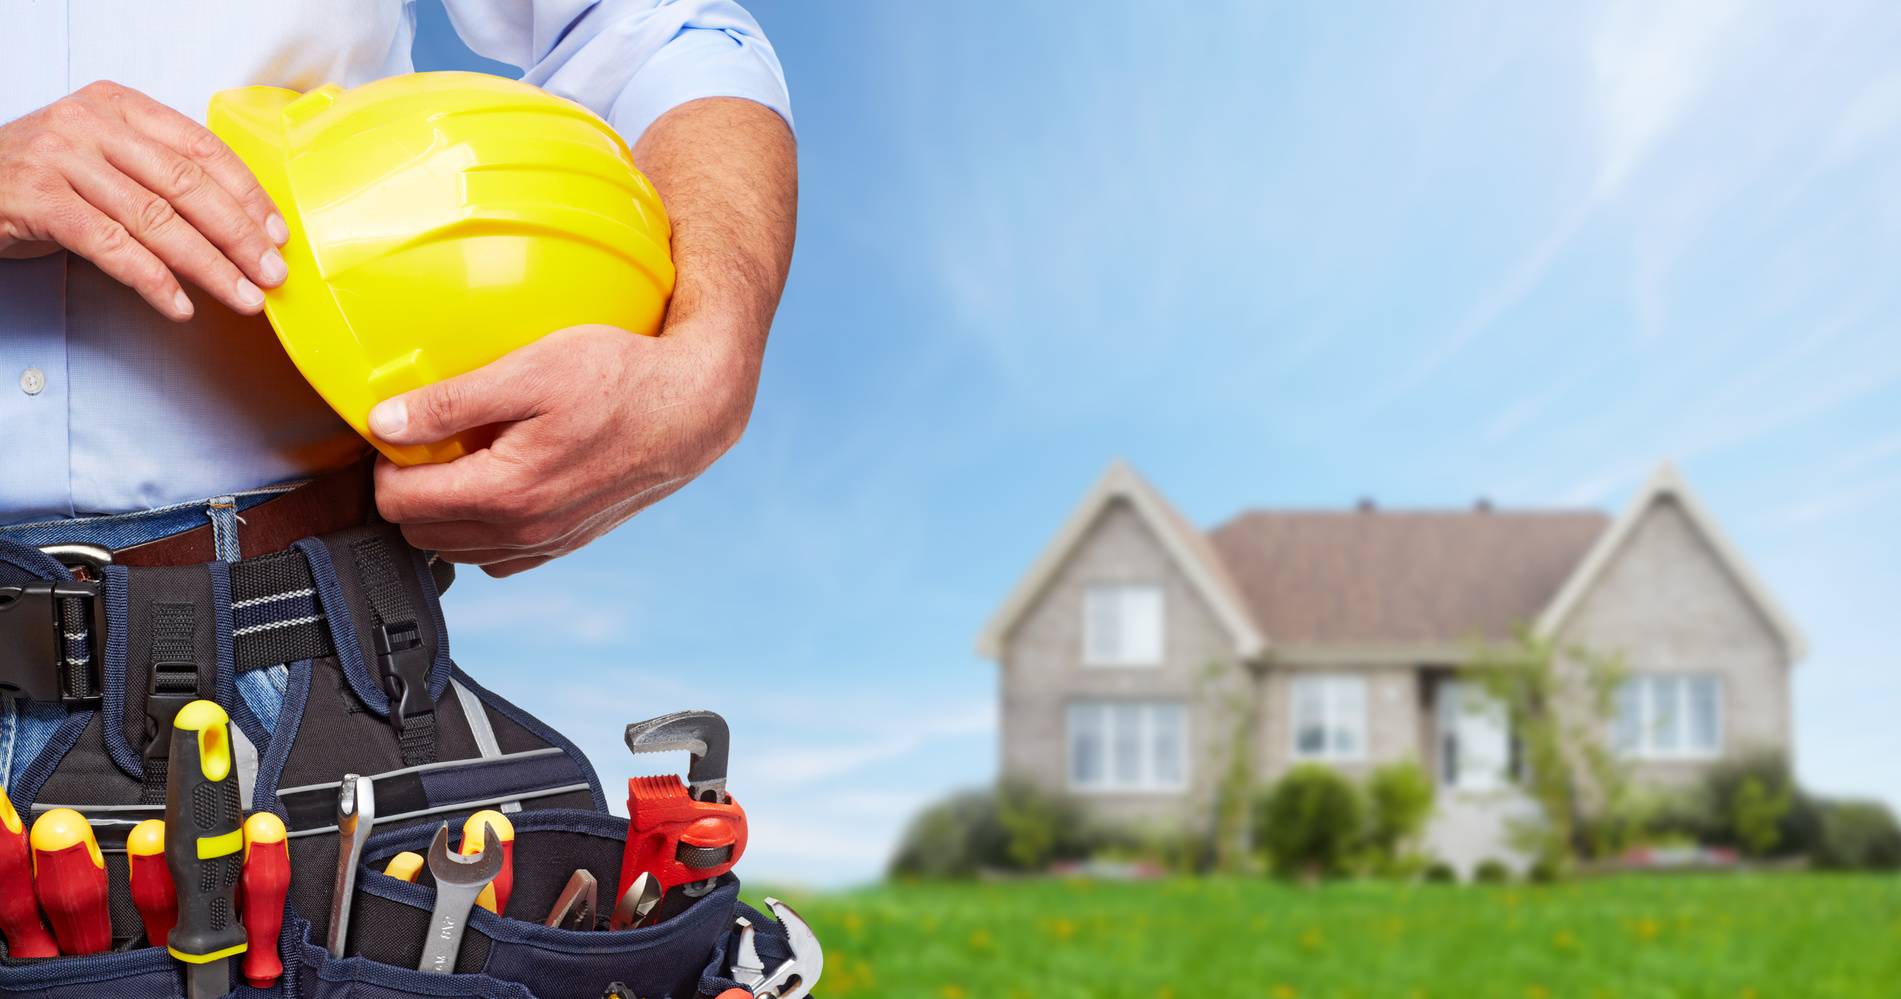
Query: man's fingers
211,154
476,486
154,222
186,192
508,389
92,234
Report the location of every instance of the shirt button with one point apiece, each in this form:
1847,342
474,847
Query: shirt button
32,381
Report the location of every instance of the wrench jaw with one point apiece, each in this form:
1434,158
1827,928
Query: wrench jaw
701,734
459,879
793,978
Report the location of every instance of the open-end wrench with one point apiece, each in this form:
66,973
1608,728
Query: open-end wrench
356,814
794,977
459,880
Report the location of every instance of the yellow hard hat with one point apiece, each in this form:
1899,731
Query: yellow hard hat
439,221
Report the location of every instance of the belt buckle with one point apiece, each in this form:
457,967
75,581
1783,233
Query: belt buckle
32,634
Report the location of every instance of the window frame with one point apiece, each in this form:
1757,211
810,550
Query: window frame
1094,591
1328,723
1646,683
1106,727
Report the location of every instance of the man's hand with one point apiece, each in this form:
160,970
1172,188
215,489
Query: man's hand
595,422
145,193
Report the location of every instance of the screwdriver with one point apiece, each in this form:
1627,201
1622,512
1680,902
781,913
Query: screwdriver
19,913
152,890
69,875
266,880
405,866
205,847
494,898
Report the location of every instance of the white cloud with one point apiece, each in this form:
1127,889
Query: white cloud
1649,63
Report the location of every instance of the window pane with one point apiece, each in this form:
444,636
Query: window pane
1166,728
1125,738
1627,730
1348,715
1310,733
1665,714
1141,614
1705,708
1085,745
1101,624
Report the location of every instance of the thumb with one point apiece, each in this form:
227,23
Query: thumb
499,392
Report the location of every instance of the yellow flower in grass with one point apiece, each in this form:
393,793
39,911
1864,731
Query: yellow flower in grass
1062,928
1537,992
1648,928
1564,940
980,939
952,992
1310,939
854,923
1284,991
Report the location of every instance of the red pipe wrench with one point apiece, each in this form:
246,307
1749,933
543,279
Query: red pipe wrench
684,835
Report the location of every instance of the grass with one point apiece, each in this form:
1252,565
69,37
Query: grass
1730,936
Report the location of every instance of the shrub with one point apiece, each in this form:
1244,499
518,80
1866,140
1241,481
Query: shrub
1310,822
1756,815
1399,800
1491,871
1859,835
1543,872
1014,826
1441,873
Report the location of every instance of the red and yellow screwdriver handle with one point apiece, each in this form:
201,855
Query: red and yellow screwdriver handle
675,838
494,897
266,880
69,876
19,913
151,880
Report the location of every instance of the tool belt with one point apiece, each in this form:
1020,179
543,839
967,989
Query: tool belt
349,628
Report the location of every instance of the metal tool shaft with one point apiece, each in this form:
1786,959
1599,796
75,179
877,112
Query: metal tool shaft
356,816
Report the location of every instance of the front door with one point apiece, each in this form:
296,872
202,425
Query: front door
1475,746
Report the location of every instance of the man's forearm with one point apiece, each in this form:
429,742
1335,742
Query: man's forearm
728,171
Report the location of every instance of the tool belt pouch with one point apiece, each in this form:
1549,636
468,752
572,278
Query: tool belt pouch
331,657
682,956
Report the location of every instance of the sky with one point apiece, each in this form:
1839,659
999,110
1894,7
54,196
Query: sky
1272,256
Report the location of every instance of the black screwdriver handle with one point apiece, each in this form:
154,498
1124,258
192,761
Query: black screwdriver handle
204,837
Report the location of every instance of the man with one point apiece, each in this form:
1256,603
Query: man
120,409
136,249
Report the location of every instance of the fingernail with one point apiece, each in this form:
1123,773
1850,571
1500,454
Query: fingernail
390,418
275,228
273,266
183,305
248,294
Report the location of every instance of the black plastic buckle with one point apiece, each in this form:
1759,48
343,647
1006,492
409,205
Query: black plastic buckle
170,687
33,642
404,665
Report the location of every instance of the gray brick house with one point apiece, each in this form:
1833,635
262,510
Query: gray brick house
1139,651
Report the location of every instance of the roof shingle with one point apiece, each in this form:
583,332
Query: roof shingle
1401,576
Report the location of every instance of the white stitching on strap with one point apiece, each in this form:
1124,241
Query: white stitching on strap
254,601
267,626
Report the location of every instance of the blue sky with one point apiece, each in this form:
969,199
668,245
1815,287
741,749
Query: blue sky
1272,257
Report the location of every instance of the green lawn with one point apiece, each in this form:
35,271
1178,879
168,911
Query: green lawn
1731,936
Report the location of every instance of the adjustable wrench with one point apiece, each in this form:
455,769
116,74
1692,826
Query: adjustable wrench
685,836
356,815
459,881
794,977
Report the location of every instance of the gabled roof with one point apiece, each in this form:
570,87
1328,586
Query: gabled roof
1666,484
1377,577
1186,545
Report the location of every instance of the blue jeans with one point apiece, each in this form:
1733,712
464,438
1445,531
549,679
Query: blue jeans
27,726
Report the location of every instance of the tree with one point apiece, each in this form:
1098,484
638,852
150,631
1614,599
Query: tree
1560,704
1756,813
1399,800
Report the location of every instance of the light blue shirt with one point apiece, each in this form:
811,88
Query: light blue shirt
107,407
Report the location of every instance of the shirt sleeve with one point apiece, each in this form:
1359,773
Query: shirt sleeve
630,61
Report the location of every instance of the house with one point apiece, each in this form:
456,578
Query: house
1139,653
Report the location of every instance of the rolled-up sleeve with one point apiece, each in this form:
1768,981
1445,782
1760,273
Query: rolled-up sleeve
631,61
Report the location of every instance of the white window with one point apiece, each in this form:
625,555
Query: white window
1122,624
1329,717
1669,715
1127,746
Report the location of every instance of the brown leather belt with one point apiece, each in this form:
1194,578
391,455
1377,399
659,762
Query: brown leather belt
338,500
